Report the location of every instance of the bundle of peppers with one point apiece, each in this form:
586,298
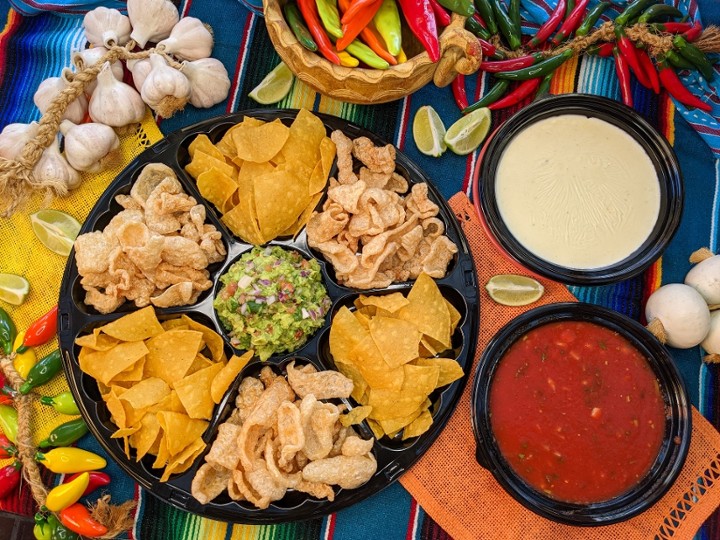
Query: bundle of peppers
351,32
534,70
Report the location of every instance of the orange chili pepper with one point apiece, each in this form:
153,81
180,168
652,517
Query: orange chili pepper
370,36
352,29
356,6
77,518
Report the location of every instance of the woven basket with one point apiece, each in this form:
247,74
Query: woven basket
460,53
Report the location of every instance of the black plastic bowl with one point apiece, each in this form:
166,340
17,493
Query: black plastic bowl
673,450
660,152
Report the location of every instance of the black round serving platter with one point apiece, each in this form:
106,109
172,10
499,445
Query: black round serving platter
394,456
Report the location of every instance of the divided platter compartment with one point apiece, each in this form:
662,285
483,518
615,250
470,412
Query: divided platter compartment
394,456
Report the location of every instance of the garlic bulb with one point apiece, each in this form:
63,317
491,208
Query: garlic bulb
139,69
14,137
90,57
106,26
87,144
209,81
165,89
189,40
115,103
50,88
53,168
151,20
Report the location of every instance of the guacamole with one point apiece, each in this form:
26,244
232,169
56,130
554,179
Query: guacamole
272,300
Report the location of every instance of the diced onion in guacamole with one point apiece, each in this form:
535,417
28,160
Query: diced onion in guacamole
272,300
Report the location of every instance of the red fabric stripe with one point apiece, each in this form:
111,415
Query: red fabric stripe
238,65
331,526
411,520
13,24
403,129
186,8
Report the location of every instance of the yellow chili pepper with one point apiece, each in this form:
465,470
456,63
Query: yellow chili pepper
62,496
23,361
70,460
347,60
401,57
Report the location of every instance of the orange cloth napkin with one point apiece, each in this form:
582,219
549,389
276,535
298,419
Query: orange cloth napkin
469,504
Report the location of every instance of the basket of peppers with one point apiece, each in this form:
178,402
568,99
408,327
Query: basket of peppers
373,51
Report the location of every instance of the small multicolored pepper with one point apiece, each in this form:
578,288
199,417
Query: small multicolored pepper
24,361
354,26
604,50
372,39
544,88
514,14
523,90
42,529
77,518
70,460
672,83
43,371
548,27
678,61
312,19
347,60
10,478
511,63
64,495
633,10
691,53
694,32
472,24
672,27
649,69
366,55
484,8
97,480
571,23
537,70
59,531
495,93
67,433
442,17
328,11
459,92
659,10
7,332
355,7
9,422
421,21
64,403
510,32
627,49
7,448
592,17
387,22
295,21
41,331
623,73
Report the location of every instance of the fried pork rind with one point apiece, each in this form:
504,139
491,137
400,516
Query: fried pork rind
225,453
322,384
209,482
155,251
348,472
371,234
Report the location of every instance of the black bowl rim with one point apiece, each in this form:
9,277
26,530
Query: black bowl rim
623,117
671,457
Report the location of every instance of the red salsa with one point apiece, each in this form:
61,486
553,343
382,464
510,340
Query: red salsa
577,411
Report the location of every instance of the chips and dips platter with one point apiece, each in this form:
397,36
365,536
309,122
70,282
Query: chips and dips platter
394,455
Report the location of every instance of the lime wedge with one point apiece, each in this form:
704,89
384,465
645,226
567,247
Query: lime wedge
514,290
428,131
466,134
55,229
13,289
274,86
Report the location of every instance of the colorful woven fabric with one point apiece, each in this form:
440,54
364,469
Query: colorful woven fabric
33,48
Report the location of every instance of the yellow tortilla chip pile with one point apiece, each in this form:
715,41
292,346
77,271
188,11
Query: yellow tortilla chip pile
264,177
160,382
387,346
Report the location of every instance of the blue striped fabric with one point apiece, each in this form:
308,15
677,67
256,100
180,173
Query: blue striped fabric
68,7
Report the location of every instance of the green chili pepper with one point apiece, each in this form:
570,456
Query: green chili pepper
691,53
633,10
657,11
537,70
65,434
63,403
7,332
507,28
9,422
461,7
495,93
387,23
486,12
476,28
544,88
365,54
592,17
43,371
59,531
514,14
330,17
678,61
295,21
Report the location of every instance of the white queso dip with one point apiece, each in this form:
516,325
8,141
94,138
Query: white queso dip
578,192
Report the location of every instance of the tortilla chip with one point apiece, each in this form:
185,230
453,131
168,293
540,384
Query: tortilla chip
204,144
136,326
216,187
194,392
397,340
212,339
104,365
171,354
427,310
450,370
227,375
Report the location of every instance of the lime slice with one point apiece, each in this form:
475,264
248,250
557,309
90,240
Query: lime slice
274,86
13,289
428,132
514,290
466,134
56,230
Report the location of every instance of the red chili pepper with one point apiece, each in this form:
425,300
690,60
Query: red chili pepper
308,8
573,20
5,400
7,448
488,49
355,26
421,21
693,33
549,26
9,478
356,6
674,27
623,73
648,68
77,518
629,51
459,92
672,83
441,15
97,480
523,90
606,50
511,64
41,331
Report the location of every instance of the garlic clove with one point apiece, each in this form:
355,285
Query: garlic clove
90,57
139,69
50,88
53,170
106,27
14,137
115,103
189,39
151,20
87,145
165,89
209,81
